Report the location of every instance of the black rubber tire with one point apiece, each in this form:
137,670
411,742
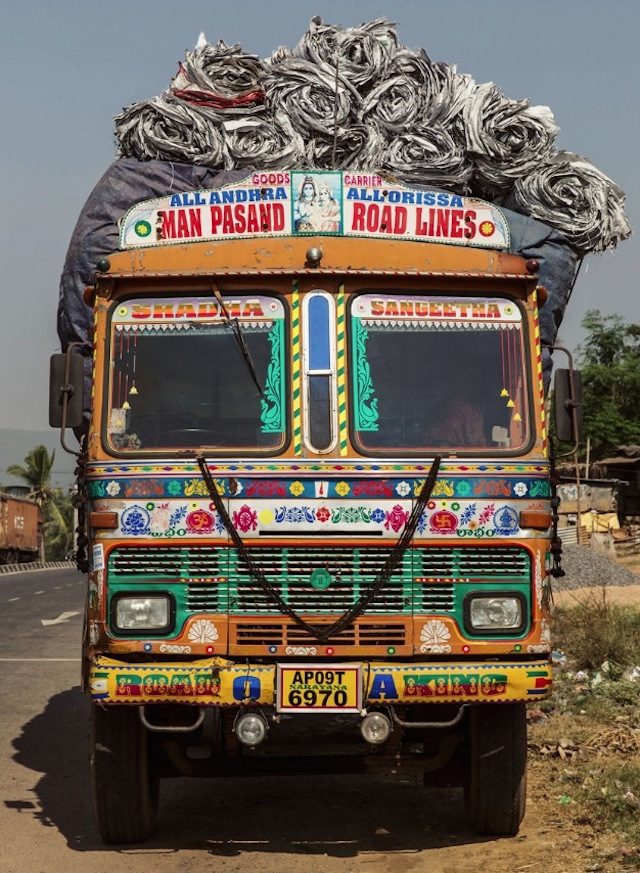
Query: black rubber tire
496,789
123,777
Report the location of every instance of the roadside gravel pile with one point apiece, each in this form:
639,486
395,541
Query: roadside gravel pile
585,568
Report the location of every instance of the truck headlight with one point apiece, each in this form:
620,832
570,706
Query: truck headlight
495,613
142,612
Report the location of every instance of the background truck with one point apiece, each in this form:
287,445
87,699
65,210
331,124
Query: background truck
20,529
317,509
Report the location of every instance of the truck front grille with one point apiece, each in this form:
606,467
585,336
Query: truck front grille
318,580
363,633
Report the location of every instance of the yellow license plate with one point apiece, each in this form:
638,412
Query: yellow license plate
319,688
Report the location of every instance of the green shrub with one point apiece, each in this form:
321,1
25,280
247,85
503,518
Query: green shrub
595,631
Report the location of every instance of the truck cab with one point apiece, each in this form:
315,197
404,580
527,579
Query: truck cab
317,483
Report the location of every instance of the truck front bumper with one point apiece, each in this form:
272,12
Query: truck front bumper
218,682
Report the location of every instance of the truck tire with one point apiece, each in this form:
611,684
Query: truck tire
496,788
123,777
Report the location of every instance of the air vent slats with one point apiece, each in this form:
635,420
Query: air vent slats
321,580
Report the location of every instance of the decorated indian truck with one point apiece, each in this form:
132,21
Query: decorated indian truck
317,491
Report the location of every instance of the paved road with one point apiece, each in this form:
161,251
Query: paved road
333,824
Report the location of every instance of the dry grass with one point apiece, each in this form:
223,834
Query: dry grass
586,738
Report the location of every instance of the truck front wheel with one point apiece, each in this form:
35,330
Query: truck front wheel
495,792
123,777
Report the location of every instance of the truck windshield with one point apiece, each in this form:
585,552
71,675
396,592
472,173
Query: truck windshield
438,374
180,379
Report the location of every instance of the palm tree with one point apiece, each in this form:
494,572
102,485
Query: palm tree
36,472
58,528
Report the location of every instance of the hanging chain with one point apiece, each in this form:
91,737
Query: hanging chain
322,634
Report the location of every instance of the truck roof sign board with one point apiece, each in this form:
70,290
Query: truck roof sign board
308,203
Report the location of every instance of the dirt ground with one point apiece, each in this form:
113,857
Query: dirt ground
555,789
558,817
627,595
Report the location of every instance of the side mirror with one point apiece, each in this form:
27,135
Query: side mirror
66,389
567,396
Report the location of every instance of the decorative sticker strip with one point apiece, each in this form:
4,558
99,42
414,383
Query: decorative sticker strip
366,402
341,371
216,682
470,488
536,336
273,401
296,369
442,683
208,681
306,468
444,519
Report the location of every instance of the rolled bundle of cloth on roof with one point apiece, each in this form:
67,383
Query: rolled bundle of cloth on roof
355,98
351,99
505,138
168,129
568,193
221,77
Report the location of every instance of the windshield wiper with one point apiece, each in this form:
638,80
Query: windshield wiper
234,324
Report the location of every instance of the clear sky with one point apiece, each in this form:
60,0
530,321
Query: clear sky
69,67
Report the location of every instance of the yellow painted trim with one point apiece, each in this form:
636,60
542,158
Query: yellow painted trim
296,369
217,682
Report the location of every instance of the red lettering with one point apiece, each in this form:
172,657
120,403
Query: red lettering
386,219
252,220
457,215
168,225
442,222
140,310
186,310
265,217
470,221
270,178
401,219
189,223
163,310
358,217
227,220
183,224
216,218
240,219
253,307
373,217
278,217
